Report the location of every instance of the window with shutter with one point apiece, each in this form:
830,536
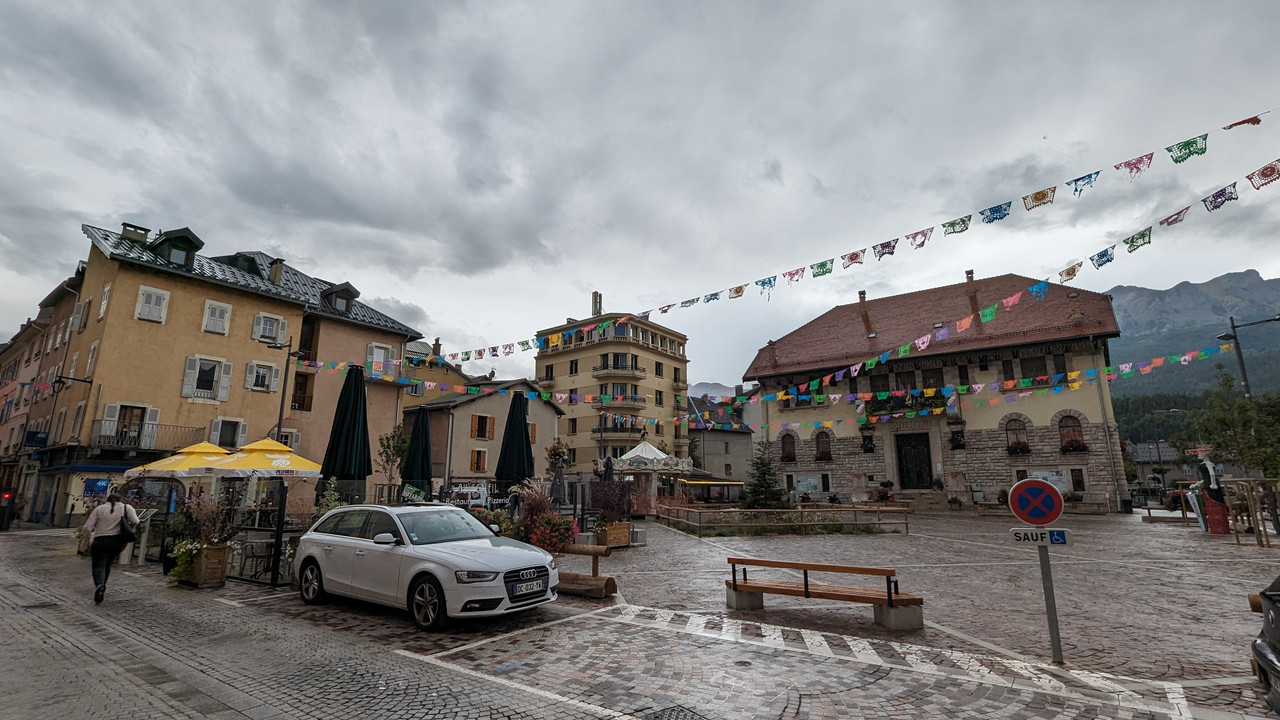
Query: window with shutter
106,294
224,382
151,305
150,428
533,433
275,379
216,317
110,416
75,358
475,426
93,356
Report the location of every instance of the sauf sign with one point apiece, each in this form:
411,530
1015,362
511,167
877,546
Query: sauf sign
1036,536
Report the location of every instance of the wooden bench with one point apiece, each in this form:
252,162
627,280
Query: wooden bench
893,610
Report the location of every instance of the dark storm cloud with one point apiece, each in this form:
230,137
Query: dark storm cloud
406,312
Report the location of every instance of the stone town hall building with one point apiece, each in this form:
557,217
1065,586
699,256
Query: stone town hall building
981,442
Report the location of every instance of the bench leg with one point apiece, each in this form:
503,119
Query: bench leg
901,617
742,600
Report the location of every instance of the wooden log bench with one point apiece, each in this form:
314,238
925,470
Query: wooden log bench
593,585
893,610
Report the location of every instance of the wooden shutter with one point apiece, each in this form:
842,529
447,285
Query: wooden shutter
275,379
368,356
150,427
257,326
77,317
143,300
490,427
215,429
110,414
93,356
243,437
533,433
249,369
189,377
475,424
282,327
224,383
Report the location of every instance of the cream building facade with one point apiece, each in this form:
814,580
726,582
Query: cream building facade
612,373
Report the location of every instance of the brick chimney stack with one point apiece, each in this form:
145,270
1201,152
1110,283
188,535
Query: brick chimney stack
275,273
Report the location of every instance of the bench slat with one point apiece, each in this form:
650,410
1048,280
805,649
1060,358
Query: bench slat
814,567
826,592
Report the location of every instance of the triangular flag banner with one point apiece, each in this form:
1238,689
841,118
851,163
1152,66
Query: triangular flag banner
1012,300
884,248
904,350
1264,175
963,323
822,268
736,292
1183,151
1136,165
794,276
1137,240
689,303
1039,290
918,239
466,355
712,297
923,342
665,308
1220,198
996,212
1255,120
1070,273
1079,184
1039,197
988,314
525,345
959,225
767,285
1175,218
854,257
942,333
1103,257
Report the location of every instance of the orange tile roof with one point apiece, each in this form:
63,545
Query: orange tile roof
838,338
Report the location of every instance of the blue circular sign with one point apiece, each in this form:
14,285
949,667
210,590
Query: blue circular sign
1035,501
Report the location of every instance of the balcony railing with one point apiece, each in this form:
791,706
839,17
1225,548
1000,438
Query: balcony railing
546,382
619,401
616,431
618,370
143,436
679,385
301,403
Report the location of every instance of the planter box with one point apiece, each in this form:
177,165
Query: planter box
615,535
208,568
639,537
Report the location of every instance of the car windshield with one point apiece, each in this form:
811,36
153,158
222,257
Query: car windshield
435,526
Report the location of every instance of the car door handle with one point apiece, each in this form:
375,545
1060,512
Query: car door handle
360,553
327,548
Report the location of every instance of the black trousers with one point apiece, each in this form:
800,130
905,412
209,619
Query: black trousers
104,551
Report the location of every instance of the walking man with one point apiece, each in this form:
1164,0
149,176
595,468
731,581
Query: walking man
112,526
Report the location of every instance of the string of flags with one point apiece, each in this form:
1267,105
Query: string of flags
1178,153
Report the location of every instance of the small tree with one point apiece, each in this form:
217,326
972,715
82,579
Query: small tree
763,489
328,500
392,448
695,451
1236,429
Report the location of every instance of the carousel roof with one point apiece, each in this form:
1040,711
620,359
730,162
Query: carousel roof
646,457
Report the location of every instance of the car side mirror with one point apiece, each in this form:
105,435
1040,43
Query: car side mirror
386,539
496,529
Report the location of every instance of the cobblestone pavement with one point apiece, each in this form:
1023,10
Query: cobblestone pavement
1154,620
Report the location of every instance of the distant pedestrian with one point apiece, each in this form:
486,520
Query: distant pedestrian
19,509
105,524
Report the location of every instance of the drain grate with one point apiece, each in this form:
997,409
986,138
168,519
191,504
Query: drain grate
675,712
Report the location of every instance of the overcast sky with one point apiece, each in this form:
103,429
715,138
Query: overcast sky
476,170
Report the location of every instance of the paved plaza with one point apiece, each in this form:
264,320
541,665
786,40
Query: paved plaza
1154,618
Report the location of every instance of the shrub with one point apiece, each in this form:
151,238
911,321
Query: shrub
613,499
1019,448
495,517
881,494
1072,496
552,533
534,502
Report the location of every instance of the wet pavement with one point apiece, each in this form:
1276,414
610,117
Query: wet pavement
1154,620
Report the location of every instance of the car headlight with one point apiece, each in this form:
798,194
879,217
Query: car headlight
551,565
474,576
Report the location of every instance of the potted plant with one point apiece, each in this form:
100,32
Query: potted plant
938,484
1002,497
200,559
1019,447
612,528
1074,446
881,495
1072,496
954,502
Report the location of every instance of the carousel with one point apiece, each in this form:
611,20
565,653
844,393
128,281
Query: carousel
652,473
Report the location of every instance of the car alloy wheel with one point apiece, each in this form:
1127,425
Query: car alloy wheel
311,585
426,603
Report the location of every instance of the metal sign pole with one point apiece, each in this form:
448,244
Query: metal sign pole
1050,605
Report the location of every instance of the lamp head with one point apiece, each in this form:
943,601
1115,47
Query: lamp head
1227,336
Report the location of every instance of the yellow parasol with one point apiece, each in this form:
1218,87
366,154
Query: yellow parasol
181,463
264,458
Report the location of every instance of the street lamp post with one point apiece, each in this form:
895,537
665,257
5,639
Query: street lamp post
1233,335
284,389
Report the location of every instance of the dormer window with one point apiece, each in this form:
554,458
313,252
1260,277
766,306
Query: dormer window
340,297
177,246
341,304
178,256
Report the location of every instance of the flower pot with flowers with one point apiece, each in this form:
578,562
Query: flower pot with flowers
1018,447
612,528
200,559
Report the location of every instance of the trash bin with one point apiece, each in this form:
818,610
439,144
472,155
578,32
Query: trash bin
1126,506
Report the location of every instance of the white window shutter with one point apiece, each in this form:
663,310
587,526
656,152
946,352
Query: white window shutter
189,377
75,358
110,414
224,383
275,379
243,438
106,295
140,309
257,326
368,353
281,330
150,428
215,429
77,317
248,375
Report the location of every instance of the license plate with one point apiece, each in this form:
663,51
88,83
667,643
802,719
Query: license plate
527,587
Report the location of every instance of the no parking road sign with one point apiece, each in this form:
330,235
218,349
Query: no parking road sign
1035,502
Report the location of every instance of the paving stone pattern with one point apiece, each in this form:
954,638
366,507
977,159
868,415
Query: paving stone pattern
1154,622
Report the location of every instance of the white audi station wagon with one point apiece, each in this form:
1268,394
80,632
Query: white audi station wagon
436,560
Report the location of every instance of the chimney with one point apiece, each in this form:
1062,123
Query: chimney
968,283
435,347
737,391
971,289
276,272
597,304
864,313
773,353
134,233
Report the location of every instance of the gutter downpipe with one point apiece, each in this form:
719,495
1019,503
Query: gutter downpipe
1106,423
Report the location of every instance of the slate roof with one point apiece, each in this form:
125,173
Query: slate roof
720,414
313,290
453,400
202,268
838,337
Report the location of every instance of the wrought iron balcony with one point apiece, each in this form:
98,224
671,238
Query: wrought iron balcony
616,432
633,372
143,436
635,402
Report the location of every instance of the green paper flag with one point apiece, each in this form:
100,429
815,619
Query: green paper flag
882,395
871,362
988,314
904,350
1025,382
